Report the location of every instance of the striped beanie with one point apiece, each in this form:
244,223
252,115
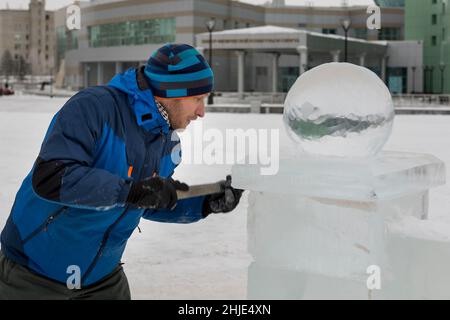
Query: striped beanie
178,71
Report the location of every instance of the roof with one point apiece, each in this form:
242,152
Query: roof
275,30
316,3
260,30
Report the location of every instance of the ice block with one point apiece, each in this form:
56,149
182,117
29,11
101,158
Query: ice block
316,227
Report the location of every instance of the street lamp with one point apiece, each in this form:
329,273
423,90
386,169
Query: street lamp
414,80
442,68
18,60
210,25
51,83
346,23
431,68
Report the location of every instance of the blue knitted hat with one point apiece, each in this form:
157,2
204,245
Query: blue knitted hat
178,71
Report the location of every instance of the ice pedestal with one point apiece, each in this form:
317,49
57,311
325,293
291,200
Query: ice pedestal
316,227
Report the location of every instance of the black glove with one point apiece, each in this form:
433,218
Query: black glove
155,193
223,202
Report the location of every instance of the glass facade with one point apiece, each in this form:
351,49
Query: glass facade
390,3
131,33
60,44
397,80
329,31
288,76
65,40
390,34
361,33
72,39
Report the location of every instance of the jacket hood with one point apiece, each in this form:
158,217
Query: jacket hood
141,100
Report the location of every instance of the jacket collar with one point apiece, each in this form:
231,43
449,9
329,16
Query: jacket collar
142,101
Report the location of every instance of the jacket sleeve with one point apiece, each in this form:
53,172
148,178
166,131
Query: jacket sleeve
186,211
64,172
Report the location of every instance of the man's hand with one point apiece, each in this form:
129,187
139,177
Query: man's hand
223,202
156,193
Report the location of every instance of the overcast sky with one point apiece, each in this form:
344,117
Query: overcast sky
55,4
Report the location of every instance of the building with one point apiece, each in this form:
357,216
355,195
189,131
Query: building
116,35
29,34
390,3
270,58
429,21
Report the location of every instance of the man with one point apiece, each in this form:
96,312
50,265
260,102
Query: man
105,163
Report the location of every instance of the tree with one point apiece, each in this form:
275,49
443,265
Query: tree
7,63
21,67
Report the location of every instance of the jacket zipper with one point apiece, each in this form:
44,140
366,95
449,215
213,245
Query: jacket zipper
102,245
44,226
109,230
163,144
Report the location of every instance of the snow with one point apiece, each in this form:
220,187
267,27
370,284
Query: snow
316,3
209,259
260,30
275,30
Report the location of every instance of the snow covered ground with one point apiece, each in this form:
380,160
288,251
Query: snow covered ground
207,260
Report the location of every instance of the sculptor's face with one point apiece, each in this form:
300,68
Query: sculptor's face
182,111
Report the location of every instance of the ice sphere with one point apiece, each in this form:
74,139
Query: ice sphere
339,109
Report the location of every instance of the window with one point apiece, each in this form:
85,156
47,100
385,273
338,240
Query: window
389,34
434,19
236,24
61,44
329,31
72,39
129,33
434,41
397,80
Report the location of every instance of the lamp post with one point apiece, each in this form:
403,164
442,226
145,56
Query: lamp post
426,82
18,60
431,79
51,83
210,25
346,23
414,80
442,68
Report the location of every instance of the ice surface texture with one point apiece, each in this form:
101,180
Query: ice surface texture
316,227
339,109
386,176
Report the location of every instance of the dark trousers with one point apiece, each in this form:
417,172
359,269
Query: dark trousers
20,283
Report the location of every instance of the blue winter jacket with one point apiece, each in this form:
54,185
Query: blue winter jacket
71,208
